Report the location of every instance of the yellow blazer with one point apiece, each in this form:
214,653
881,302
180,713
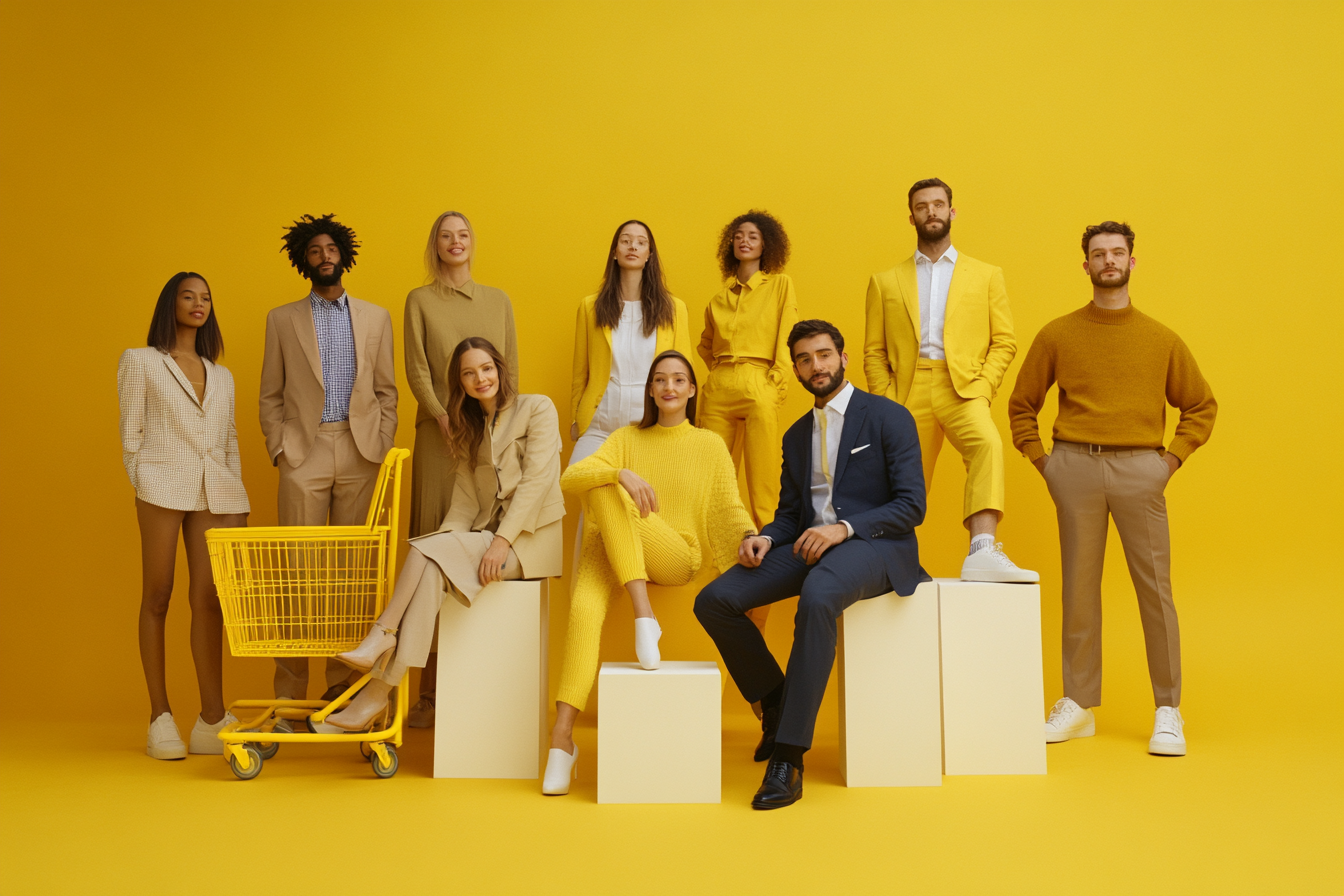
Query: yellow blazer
516,479
592,356
977,330
291,382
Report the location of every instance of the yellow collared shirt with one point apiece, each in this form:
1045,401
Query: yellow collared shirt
751,325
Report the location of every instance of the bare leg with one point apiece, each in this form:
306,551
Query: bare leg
158,557
984,522
562,735
207,622
639,598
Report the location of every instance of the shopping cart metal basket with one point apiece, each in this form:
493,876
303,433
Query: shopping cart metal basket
309,591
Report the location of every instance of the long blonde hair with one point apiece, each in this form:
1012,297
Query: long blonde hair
466,417
434,264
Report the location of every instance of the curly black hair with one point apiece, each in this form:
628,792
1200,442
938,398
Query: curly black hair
298,236
775,252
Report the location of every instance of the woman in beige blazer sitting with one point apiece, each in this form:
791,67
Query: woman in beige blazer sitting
504,522
180,449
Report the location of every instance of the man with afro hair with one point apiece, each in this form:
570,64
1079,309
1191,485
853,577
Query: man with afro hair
328,401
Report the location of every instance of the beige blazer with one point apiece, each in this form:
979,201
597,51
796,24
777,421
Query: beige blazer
517,475
977,330
291,382
171,443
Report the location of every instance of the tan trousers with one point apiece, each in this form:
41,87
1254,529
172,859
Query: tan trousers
940,413
1127,486
333,486
454,559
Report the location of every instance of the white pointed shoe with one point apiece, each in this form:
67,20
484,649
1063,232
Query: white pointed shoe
647,633
377,642
992,565
561,768
1067,721
1168,732
205,737
163,741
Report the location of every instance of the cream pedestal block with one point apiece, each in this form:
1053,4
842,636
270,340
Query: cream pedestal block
659,733
992,688
890,714
492,686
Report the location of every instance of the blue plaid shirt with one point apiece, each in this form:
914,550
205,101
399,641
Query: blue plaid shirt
336,348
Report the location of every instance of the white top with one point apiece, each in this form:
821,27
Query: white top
823,481
934,278
631,357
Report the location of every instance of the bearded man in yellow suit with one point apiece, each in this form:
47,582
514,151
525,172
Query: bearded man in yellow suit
939,339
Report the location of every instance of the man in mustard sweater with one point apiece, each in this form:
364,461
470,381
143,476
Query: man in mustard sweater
1117,370
938,340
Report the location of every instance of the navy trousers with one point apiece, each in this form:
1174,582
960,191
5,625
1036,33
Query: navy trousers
849,572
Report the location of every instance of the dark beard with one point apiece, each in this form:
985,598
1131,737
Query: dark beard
939,231
325,279
828,387
1097,281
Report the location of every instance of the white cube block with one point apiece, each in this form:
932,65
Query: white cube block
492,687
659,733
890,714
992,679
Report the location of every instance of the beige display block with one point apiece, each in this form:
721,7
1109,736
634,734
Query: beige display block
659,733
992,679
492,683
890,715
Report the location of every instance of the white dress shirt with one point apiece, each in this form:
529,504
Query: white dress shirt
934,278
823,477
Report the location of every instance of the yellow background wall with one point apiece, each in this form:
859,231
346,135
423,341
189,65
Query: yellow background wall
144,139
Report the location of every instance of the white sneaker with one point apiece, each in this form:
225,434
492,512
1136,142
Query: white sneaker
992,565
561,767
205,738
1067,721
1168,733
647,633
164,742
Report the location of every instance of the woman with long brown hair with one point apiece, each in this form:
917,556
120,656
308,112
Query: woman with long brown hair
504,522
662,501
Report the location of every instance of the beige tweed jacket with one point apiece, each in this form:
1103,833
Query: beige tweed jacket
180,453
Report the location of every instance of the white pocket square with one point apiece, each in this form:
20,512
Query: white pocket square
860,448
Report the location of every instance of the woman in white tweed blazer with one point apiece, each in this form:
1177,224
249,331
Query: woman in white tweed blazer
181,452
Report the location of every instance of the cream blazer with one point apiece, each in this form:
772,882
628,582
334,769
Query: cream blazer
170,442
292,394
592,356
978,336
517,475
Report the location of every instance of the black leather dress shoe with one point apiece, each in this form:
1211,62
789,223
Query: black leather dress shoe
783,786
769,728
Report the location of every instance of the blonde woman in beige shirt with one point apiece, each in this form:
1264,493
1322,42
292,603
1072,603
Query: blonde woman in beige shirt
180,449
439,316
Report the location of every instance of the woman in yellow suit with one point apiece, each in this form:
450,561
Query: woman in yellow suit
662,501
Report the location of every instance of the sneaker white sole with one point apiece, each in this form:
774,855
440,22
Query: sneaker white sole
1157,749
178,752
1058,737
1021,577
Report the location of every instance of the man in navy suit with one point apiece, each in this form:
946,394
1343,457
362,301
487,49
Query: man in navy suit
851,495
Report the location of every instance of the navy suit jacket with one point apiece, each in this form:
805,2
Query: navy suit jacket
879,484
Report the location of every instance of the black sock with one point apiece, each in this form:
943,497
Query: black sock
774,698
789,753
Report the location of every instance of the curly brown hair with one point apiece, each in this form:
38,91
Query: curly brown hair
1119,227
774,253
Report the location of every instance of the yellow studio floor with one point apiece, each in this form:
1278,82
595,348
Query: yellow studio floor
1254,809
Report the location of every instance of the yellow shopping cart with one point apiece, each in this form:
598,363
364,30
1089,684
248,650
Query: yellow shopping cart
308,591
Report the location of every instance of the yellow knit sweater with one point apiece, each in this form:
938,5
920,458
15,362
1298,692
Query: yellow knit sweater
1117,370
691,473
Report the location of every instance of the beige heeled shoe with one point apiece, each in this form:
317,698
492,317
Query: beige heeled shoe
377,642
368,705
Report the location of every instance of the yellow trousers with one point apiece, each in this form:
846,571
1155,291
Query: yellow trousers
619,546
940,412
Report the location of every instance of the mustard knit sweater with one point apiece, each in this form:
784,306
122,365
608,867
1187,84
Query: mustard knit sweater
691,473
1117,370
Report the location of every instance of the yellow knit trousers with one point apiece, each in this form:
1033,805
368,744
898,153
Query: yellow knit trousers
619,546
940,412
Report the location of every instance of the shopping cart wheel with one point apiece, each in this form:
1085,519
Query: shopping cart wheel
254,768
365,750
267,750
385,771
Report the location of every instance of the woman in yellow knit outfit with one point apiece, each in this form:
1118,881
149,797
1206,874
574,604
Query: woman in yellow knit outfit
661,500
